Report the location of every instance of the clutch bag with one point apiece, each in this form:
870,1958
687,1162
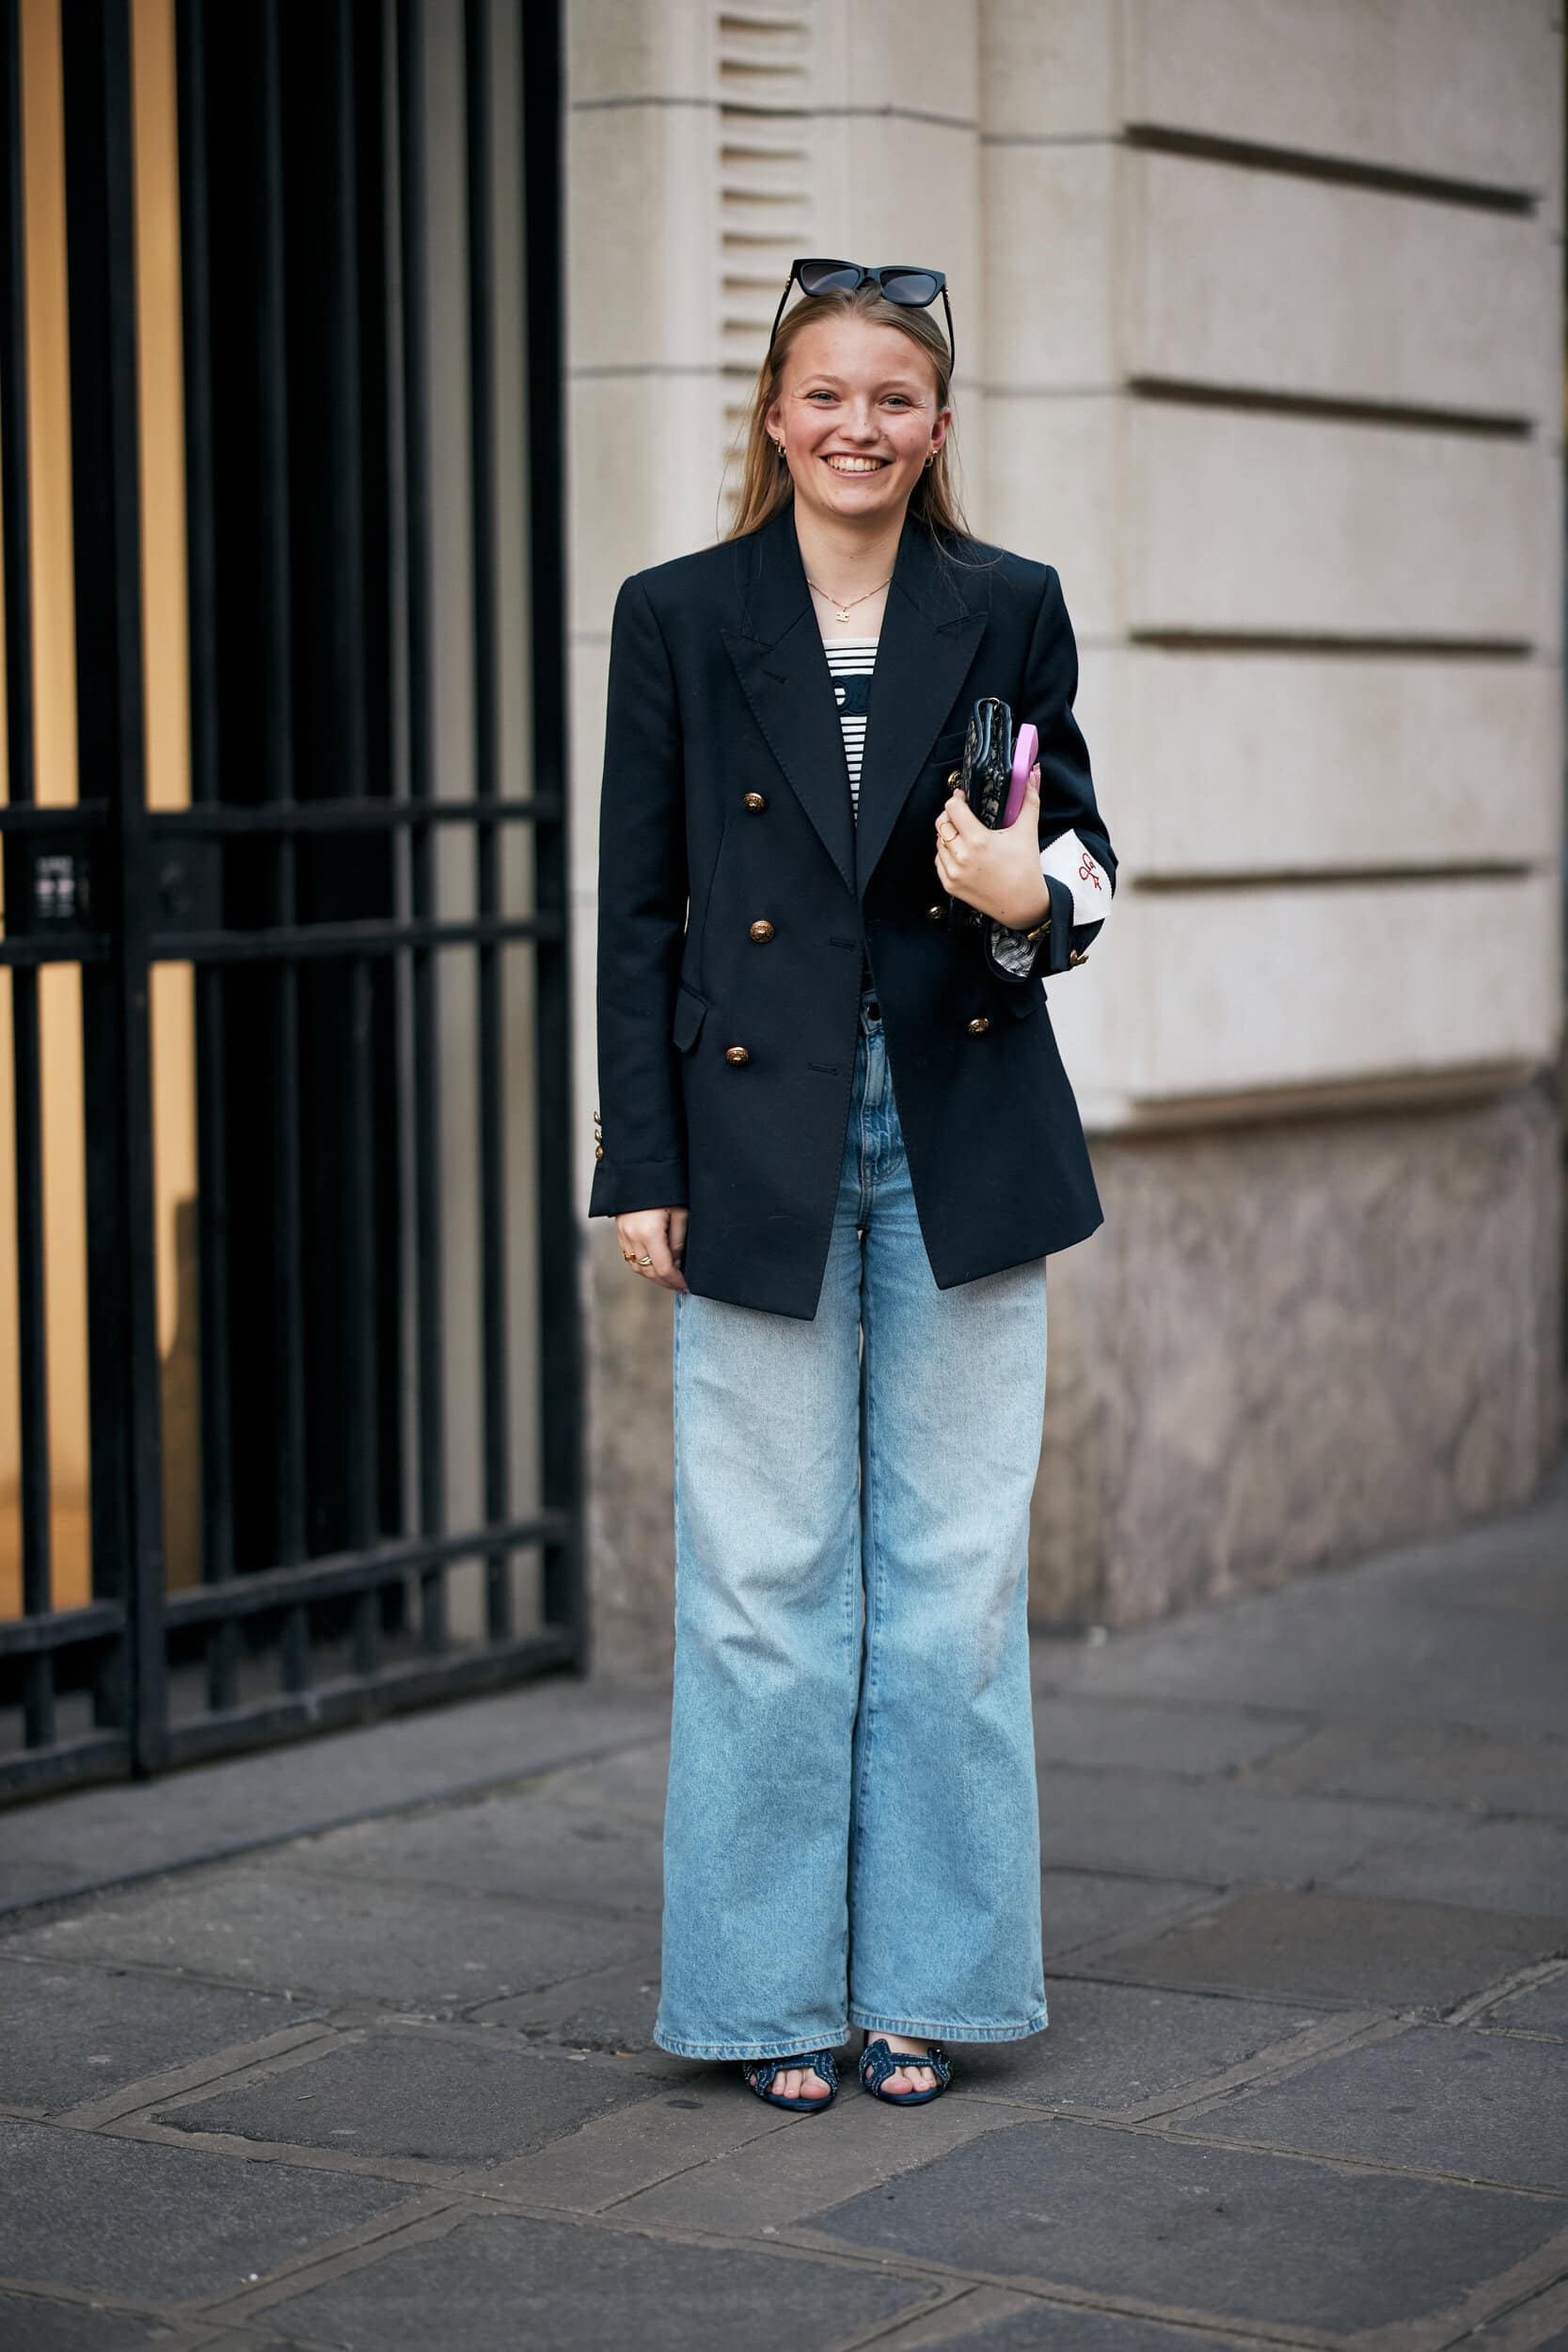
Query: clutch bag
995,774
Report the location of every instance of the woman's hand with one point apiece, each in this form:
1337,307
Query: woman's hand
996,870
658,1236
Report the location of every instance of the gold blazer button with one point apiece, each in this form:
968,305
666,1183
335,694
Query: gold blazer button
1077,954
762,930
736,1053
955,775
978,1026
754,801
935,915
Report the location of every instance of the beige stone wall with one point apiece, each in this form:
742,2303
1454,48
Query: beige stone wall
1258,317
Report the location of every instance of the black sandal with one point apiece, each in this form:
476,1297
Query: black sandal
760,2073
876,2062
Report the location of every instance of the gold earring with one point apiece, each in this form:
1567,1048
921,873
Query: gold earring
932,459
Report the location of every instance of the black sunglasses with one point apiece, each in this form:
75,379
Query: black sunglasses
897,280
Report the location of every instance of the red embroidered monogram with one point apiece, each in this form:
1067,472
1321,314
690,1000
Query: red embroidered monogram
1090,871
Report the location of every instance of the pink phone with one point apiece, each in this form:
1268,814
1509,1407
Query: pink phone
1026,750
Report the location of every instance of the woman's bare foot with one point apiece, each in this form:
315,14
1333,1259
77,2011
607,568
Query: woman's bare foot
798,2083
907,2077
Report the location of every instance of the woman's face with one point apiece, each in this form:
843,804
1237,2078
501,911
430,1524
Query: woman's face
854,388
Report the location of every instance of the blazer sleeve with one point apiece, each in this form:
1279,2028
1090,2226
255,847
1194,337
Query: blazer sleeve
1077,861
641,921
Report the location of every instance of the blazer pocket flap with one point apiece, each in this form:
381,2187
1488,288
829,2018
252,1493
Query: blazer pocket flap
690,1008
1024,999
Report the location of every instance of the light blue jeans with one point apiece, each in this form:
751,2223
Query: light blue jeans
851,1834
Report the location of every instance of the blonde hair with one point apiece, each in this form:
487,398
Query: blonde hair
765,484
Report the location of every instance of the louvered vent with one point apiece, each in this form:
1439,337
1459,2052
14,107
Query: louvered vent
763,60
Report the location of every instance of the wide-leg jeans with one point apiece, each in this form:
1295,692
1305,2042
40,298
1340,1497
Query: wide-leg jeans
851,1834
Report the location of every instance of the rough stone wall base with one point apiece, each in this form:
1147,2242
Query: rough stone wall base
1293,1343
1289,1345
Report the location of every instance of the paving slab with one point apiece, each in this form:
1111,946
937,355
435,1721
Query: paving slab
28,2324
1219,2235
1114,2046
100,1836
535,1846
447,2098
157,2224
1538,2009
585,2288
611,2009
1080,1907
1319,1944
1339,1643
1215,1829
73,2033
295,1930
1431,1765
1494,1865
1435,2098
1195,1741
1038,2327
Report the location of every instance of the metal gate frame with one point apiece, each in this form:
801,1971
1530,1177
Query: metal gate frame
115,888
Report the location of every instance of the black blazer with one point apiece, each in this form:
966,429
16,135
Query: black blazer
736,890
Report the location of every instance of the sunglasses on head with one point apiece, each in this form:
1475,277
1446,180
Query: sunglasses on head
897,280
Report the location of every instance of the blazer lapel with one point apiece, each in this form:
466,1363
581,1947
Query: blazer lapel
778,657
927,640
923,653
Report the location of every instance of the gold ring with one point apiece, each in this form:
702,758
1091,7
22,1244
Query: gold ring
645,1262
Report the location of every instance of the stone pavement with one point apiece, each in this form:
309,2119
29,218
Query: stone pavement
389,2084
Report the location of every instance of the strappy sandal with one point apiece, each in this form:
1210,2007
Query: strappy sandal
876,2062
760,2073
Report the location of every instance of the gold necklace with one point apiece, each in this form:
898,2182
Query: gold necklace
844,610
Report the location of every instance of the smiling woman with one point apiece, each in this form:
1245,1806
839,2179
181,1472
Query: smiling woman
828,1131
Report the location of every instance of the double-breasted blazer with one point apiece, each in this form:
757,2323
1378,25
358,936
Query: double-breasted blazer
738,891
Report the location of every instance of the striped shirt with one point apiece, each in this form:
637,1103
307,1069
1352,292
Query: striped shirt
850,660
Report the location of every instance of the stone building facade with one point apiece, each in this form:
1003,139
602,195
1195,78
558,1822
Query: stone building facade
1259,312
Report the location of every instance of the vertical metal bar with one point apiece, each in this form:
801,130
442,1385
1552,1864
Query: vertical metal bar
196,260
356,1176
560,1240
277,767
429,1243
490,1042
15,502
127,1507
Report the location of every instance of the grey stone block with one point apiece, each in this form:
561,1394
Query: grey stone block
101,1837
28,2324
1435,2098
1058,2327
1074,1728
1338,1643
1223,2233
153,2224
1219,1831
1540,2008
1111,2046
428,1948
1329,1945
525,1844
1426,1764
445,2097
73,2033
1494,1865
611,2009
1080,1907
587,2289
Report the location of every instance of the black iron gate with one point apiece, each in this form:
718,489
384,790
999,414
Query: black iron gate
357,931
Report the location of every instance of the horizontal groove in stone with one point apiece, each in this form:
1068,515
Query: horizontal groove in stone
1328,408
1344,170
